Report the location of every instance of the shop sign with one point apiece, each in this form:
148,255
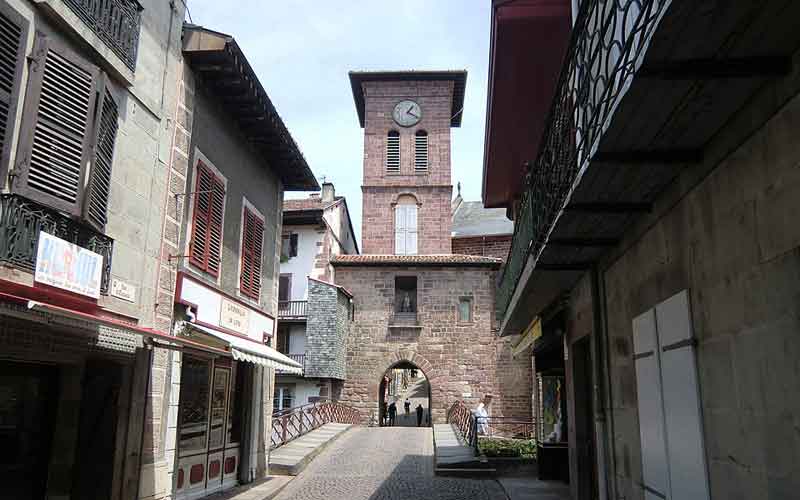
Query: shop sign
528,337
123,290
234,316
64,265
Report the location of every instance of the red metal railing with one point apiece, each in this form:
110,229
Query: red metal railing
292,423
465,423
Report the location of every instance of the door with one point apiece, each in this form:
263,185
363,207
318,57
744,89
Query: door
584,419
27,408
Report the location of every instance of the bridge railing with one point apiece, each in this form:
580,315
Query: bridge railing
465,423
291,423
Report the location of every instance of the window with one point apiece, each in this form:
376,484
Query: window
405,295
465,310
71,120
288,246
252,242
284,398
421,152
282,341
393,152
284,287
405,226
205,246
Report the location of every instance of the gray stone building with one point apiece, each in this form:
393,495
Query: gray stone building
106,115
654,263
314,315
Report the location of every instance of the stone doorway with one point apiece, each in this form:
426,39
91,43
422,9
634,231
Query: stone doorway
405,385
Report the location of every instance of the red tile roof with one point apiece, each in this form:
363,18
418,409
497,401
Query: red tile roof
446,260
309,203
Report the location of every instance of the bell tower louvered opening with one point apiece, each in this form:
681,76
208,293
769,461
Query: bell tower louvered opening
393,152
421,152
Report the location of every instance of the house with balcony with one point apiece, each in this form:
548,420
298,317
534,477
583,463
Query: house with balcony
646,154
313,313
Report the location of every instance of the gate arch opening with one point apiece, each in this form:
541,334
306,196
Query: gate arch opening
404,382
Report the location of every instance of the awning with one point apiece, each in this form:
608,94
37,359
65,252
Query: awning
528,337
243,349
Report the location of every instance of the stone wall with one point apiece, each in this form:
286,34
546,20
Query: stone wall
728,232
488,246
460,360
327,331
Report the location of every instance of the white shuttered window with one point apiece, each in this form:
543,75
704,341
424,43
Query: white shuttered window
393,152
421,152
405,229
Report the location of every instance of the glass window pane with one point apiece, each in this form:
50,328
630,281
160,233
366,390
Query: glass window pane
194,404
219,402
464,310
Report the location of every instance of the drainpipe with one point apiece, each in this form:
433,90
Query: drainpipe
604,418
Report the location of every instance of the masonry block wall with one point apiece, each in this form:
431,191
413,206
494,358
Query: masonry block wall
326,339
487,246
728,232
514,381
433,189
459,360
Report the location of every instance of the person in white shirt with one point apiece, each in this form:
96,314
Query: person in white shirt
482,415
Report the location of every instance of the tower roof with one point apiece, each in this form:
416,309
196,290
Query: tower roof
458,77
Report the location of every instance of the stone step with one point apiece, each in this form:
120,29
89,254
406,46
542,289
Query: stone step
291,458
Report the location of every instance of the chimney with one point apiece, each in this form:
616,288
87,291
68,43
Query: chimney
328,192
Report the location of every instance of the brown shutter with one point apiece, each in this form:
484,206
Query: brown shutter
209,207
96,203
57,134
13,34
252,238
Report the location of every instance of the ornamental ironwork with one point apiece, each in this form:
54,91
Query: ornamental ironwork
21,221
116,22
608,44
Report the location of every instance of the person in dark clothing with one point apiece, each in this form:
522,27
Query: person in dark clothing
420,410
392,413
407,406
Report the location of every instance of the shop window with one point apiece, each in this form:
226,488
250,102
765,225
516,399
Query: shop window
465,310
193,430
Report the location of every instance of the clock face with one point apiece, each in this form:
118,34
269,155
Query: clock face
407,113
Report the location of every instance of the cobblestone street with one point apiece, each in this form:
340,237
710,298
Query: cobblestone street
381,464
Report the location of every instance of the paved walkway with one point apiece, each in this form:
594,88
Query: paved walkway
293,457
383,463
450,450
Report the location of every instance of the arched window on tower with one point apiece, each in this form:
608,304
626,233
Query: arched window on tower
405,225
393,152
421,152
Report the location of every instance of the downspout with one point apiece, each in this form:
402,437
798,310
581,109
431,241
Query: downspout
604,414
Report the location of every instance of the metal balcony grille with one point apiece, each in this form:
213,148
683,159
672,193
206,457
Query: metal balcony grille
292,309
21,221
393,152
608,45
116,22
421,152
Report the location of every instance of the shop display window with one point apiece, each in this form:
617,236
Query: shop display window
551,411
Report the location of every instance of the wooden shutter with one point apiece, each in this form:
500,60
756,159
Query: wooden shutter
252,238
411,229
13,33
96,203
209,208
421,152
393,152
400,230
55,146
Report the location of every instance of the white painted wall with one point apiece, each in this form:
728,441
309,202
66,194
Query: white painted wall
300,267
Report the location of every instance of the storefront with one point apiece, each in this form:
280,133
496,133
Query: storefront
226,383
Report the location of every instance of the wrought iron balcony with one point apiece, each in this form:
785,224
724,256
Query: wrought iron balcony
21,221
292,309
116,22
608,44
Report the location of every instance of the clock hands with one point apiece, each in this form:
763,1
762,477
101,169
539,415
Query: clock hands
408,112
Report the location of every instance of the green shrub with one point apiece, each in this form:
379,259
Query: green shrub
503,447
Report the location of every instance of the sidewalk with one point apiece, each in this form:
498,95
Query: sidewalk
291,458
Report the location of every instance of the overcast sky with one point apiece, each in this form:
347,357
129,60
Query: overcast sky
303,49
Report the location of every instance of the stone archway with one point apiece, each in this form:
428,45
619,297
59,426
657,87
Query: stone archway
404,383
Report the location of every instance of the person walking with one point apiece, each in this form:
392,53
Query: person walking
420,410
392,414
407,406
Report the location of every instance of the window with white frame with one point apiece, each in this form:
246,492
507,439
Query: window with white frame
405,226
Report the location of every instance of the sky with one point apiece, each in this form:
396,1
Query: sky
301,51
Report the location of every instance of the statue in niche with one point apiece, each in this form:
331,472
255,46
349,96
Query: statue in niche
406,306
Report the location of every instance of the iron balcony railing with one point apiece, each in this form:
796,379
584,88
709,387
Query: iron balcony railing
292,309
21,222
116,22
608,44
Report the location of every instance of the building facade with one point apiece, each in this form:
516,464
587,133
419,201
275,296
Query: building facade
653,260
313,314
417,305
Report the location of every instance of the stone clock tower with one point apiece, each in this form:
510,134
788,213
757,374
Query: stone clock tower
407,188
